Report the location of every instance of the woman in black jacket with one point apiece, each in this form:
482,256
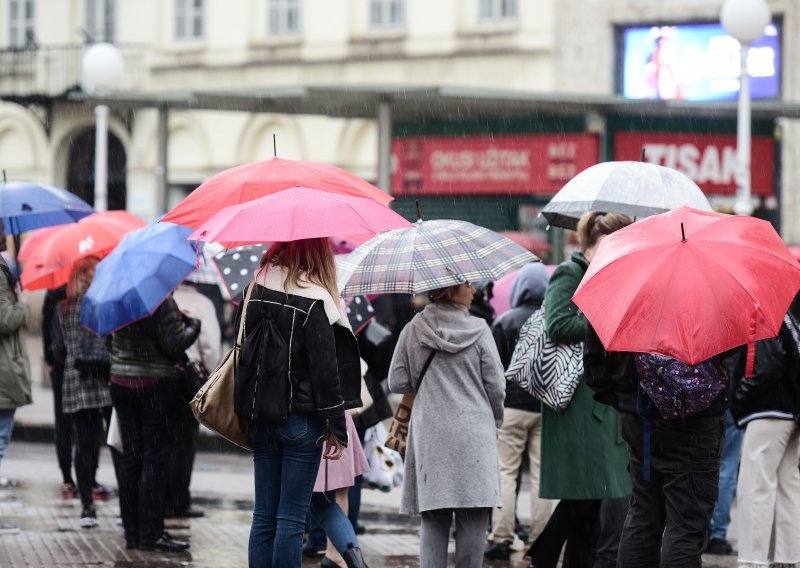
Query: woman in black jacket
299,372
768,493
144,390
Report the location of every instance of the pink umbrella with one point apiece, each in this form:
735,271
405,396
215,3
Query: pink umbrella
297,213
501,292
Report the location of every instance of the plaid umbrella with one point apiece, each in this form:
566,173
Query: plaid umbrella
430,255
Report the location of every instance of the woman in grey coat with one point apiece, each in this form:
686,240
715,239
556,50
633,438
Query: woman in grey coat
451,455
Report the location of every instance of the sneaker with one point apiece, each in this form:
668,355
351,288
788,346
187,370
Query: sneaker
5,528
498,551
69,491
88,518
6,483
165,543
720,547
102,493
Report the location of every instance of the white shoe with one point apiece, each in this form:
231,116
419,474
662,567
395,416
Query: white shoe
88,519
8,529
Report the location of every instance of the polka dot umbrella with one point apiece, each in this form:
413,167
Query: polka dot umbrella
237,266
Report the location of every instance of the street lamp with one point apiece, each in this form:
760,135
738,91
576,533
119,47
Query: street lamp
745,21
101,73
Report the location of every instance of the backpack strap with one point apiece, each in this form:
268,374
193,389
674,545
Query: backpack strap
645,407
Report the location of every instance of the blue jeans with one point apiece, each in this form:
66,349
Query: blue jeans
6,425
286,459
728,476
332,520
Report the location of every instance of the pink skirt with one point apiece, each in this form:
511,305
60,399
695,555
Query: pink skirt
336,474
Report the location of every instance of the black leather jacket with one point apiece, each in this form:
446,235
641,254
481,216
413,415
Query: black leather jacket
505,331
151,347
774,389
324,359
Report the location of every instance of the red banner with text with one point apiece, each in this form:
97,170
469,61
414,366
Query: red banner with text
509,165
708,159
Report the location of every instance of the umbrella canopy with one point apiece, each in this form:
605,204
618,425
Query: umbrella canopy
429,255
25,206
689,284
237,266
297,213
50,253
131,282
257,179
637,189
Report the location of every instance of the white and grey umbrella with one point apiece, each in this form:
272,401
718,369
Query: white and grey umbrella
637,189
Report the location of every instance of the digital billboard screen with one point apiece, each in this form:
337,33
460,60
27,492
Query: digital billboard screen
696,62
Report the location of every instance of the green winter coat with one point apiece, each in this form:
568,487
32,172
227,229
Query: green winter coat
583,455
15,383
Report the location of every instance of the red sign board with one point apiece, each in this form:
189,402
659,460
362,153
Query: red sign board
510,165
708,159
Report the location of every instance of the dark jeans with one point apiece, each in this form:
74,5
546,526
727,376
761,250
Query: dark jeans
145,419
678,500
89,437
181,457
575,522
333,521
285,461
62,426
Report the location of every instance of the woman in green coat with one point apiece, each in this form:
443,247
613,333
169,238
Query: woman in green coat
583,456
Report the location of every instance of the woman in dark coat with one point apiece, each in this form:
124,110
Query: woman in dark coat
144,390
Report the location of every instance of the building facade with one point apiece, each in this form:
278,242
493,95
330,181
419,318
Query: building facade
556,47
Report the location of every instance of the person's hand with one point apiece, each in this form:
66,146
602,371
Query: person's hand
333,449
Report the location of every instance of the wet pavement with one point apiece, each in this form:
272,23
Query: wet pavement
51,536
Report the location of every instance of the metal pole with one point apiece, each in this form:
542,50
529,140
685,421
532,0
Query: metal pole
384,147
101,158
744,204
161,159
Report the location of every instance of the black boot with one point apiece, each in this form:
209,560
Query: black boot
353,558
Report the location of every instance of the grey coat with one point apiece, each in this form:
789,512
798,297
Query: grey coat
451,456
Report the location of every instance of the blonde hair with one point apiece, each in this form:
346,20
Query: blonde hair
79,279
595,224
309,259
443,295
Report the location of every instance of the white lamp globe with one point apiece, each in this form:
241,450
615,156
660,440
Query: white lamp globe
745,20
102,69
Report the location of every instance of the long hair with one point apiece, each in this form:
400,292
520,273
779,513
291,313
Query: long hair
309,259
81,275
595,224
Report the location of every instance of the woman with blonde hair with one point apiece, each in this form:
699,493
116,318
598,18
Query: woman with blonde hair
85,389
449,359
299,372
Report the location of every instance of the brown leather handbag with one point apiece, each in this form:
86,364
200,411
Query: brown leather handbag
213,403
397,437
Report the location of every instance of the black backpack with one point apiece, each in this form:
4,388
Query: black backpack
262,384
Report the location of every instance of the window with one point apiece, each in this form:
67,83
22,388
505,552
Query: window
21,23
387,13
189,19
100,19
497,9
283,17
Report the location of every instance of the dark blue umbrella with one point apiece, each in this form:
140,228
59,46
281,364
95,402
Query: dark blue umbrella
140,273
25,206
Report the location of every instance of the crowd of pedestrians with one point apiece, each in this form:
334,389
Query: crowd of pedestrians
613,481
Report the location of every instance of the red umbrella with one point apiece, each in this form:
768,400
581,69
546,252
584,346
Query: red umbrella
257,179
297,213
689,284
50,253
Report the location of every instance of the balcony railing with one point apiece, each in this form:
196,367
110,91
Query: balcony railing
50,71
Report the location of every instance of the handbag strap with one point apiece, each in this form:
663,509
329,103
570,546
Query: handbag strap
246,300
425,368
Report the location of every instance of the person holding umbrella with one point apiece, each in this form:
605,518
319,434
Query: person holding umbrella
449,359
294,315
583,459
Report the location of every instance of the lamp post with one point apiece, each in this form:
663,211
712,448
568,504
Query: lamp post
101,73
745,21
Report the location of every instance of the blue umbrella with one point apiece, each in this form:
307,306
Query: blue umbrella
25,206
131,282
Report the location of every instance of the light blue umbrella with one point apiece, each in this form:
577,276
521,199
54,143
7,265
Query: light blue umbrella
25,206
131,282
